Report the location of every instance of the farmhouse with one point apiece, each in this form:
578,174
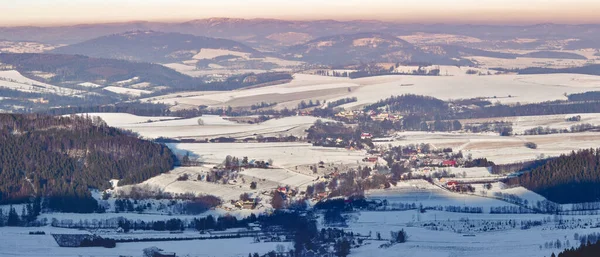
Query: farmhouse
451,184
282,190
448,163
248,204
371,159
385,116
304,113
40,100
346,114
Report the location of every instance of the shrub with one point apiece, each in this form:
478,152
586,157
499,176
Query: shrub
183,177
399,236
531,145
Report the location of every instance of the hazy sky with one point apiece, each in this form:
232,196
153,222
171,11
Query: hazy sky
47,12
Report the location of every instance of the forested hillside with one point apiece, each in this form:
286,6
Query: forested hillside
86,69
533,109
62,158
365,47
592,69
573,178
150,46
413,104
71,69
585,250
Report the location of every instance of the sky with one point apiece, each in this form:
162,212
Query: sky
63,12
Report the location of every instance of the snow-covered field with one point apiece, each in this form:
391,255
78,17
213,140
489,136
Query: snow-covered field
126,82
502,149
286,155
423,242
520,88
446,70
12,79
475,172
522,123
208,53
281,176
169,182
125,119
309,87
427,195
89,84
266,179
127,91
140,85
189,68
503,88
17,242
213,126
526,62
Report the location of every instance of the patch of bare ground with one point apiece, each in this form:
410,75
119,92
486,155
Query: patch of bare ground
266,84
283,99
570,137
449,144
493,145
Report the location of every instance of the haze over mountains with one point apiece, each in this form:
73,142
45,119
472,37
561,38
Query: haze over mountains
268,31
338,49
140,58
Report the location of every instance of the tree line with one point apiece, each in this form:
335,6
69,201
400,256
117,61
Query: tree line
61,158
584,250
571,178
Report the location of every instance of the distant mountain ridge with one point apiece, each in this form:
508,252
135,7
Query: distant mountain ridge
151,46
362,48
256,32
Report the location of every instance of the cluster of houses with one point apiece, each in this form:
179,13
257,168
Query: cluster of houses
286,192
385,116
371,159
6,67
304,113
415,158
236,164
418,159
457,186
351,115
40,100
248,204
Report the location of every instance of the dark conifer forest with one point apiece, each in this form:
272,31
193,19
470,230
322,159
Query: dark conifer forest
569,178
62,158
585,250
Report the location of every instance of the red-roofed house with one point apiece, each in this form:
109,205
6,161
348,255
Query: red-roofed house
366,136
448,163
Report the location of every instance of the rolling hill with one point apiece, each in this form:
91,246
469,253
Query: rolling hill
266,33
62,158
151,46
361,48
111,76
78,69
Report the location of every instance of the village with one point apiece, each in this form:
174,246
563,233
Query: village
440,167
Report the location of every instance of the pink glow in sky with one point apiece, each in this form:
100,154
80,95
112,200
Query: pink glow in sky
47,12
